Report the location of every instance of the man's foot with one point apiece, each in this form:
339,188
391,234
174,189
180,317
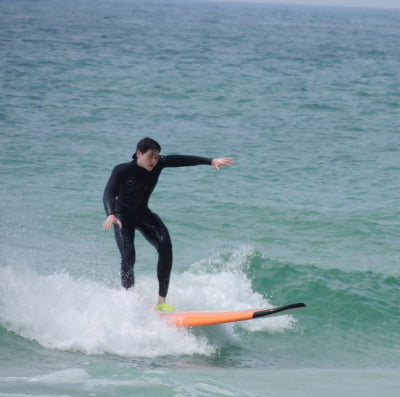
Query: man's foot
164,307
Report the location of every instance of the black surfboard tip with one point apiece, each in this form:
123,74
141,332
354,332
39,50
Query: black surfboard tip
278,309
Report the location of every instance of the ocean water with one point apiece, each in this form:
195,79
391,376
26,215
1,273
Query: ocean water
305,99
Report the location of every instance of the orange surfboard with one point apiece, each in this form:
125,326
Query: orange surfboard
196,319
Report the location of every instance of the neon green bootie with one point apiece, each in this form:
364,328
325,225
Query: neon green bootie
164,307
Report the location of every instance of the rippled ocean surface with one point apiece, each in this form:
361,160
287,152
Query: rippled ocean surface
305,99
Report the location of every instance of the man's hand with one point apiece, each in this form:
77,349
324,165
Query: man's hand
110,221
218,163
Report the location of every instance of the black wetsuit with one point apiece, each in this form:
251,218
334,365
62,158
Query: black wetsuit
126,196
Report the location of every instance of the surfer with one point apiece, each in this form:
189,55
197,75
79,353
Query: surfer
126,198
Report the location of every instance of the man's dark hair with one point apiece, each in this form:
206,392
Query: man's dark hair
147,144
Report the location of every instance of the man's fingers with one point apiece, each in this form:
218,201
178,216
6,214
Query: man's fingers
218,163
108,223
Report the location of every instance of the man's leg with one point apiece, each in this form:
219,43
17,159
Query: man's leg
156,233
125,240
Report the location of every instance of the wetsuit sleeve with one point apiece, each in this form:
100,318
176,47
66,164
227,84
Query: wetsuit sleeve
111,192
184,161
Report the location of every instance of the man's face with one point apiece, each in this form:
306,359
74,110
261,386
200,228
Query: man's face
148,160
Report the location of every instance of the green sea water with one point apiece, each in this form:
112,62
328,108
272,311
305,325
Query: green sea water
306,101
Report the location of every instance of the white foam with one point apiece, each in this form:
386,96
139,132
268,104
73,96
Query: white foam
61,312
221,283
71,375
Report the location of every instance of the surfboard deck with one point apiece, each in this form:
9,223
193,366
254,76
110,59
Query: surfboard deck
196,319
